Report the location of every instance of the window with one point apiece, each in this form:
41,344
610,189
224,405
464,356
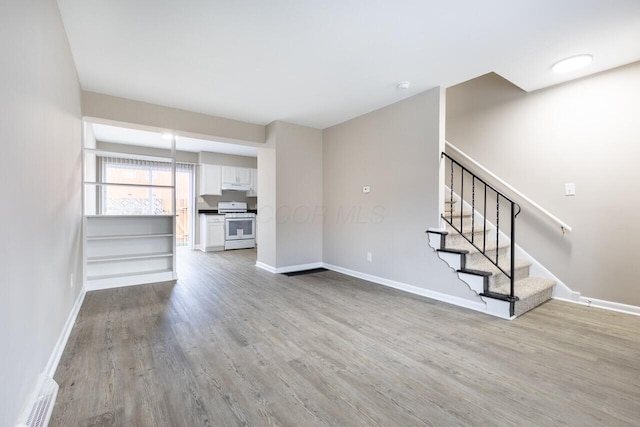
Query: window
146,189
139,194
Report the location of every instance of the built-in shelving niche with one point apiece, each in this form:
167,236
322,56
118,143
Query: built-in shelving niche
124,250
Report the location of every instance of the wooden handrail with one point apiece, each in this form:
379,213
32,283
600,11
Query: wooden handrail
564,226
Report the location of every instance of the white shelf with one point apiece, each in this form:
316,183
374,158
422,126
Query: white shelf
128,185
128,257
123,250
128,216
127,236
115,276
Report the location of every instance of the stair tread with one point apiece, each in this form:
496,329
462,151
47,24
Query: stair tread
467,230
457,214
490,245
526,287
486,265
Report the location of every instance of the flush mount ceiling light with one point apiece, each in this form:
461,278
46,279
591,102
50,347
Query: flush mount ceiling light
403,85
571,64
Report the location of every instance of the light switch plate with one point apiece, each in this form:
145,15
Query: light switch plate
366,189
570,189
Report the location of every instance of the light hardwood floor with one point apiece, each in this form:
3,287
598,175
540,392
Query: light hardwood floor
230,344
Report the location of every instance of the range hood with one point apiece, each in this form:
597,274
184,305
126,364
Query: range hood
235,186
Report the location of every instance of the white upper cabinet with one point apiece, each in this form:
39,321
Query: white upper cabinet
243,175
210,180
253,192
236,175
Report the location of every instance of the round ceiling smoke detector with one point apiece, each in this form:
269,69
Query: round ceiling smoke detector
571,64
403,85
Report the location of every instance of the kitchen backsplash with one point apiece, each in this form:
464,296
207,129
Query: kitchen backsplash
211,202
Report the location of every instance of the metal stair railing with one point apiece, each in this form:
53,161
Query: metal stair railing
466,174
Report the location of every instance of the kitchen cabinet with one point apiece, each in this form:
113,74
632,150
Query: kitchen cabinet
236,175
253,192
210,180
211,232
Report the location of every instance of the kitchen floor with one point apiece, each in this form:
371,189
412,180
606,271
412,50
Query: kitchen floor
230,344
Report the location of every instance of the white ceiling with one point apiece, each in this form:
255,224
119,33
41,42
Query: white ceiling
318,63
121,135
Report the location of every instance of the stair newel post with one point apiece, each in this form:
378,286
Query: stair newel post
513,249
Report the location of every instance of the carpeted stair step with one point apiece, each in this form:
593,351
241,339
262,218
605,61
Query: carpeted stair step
476,256
454,217
531,292
455,238
477,229
497,279
450,206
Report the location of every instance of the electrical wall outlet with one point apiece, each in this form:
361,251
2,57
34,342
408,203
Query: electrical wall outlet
369,257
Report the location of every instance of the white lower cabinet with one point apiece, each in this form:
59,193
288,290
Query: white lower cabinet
128,250
211,232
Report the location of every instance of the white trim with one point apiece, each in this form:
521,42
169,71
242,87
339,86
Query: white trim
56,354
450,299
289,268
266,267
604,305
130,280
54,358
564,226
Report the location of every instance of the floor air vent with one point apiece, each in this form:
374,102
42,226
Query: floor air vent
42,405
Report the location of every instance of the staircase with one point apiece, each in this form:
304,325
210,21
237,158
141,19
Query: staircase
481,253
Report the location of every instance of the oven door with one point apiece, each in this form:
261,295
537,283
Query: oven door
240,228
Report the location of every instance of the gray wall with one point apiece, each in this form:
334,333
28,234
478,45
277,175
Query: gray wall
111,108
299,195
266,221
228,160
40,129
584,132
396,151
290,196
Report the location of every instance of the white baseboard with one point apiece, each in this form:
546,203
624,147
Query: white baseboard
450,299
289,268
604,305
131,280
461,302
56,354
265,267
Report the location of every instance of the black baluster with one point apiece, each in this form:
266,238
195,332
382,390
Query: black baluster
451,195
484,226
497,223
473,206
461,196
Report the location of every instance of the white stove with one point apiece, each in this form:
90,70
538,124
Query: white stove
239,225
